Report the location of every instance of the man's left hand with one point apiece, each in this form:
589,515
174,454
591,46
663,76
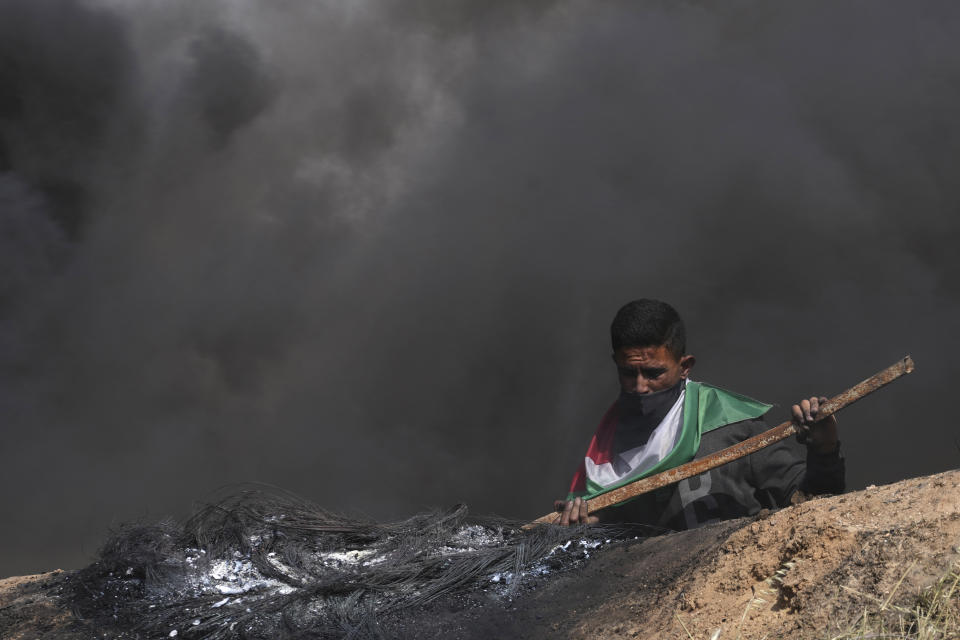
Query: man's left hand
821,434
573,512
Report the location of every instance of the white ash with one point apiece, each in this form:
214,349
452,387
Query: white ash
236,576
572,551
230,576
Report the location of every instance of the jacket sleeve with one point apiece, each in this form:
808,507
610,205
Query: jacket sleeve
778,471
826,473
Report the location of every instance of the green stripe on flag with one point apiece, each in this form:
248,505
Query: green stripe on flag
705,408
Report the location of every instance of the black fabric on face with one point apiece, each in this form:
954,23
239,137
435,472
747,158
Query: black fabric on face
641,413
647,404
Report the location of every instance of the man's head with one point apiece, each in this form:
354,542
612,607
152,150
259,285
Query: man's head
649,347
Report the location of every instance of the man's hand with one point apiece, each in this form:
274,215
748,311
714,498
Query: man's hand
819,434
573,512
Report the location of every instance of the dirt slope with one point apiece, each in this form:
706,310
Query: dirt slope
804,572
28,612
807,571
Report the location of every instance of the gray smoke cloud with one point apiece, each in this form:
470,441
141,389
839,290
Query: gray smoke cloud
369,251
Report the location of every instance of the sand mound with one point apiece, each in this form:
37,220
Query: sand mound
806,571
809,571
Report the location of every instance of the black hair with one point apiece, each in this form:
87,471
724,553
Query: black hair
649,323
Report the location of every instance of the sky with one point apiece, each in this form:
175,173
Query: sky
369,251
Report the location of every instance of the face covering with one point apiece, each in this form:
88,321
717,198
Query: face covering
649,404
639,414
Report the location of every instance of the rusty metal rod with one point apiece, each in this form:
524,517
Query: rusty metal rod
741,449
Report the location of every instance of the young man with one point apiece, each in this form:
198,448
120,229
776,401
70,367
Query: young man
662,419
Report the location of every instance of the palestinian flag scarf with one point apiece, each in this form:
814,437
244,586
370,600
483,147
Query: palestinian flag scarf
700,408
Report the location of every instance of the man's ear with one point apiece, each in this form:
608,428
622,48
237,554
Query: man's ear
686,363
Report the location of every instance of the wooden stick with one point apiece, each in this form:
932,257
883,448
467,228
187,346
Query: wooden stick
741,449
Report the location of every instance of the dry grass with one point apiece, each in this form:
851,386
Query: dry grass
934,616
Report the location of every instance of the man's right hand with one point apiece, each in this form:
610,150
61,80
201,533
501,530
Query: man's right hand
573,512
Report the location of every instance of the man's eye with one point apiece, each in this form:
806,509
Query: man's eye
651,374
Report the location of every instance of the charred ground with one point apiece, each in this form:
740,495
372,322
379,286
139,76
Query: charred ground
808,571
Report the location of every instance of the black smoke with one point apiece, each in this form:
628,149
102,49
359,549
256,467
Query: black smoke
369,251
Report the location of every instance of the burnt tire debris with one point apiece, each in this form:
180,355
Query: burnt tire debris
268,564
